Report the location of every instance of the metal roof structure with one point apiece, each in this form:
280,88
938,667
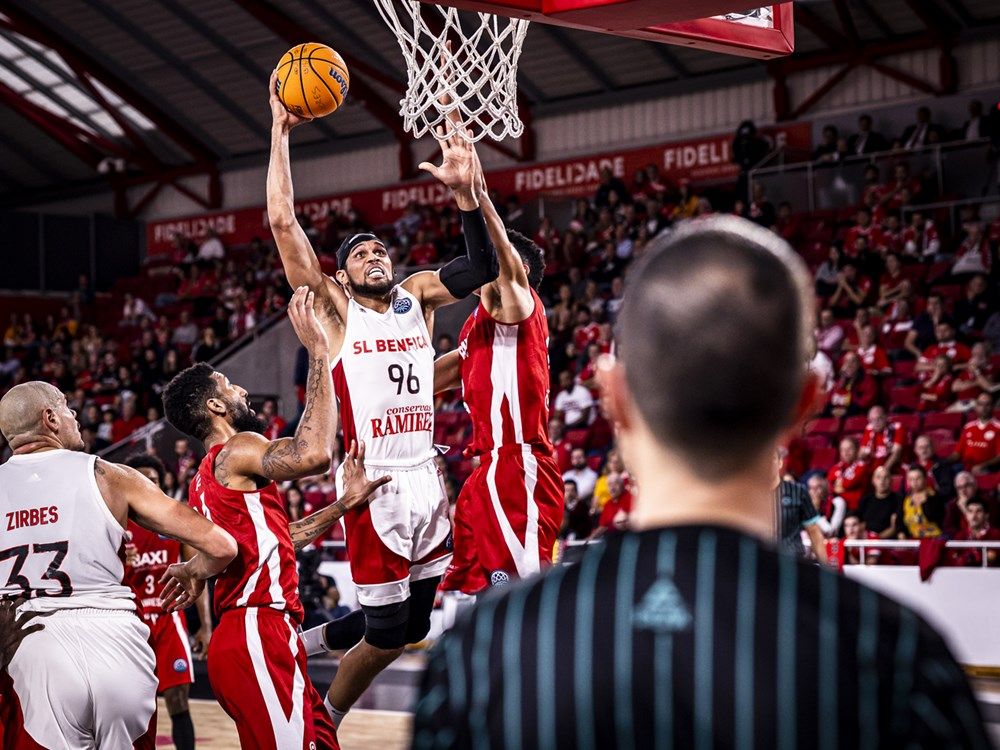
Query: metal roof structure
148,91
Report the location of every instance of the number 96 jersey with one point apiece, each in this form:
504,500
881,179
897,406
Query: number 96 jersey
384,381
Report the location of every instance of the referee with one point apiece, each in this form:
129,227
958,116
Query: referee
691,631
796,514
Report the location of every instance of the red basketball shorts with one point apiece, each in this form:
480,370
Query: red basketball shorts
257,667
506,521
169,639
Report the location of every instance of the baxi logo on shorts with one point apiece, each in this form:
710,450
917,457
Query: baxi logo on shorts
180,665
499,578
401,306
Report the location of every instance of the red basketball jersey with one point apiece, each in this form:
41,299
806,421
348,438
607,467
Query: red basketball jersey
505,380
263,574
154,554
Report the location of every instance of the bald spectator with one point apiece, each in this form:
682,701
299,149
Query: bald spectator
924,456
849,477
883,442
978,448
582,475
879,508
615,513
966,491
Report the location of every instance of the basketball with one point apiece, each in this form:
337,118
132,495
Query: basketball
312,80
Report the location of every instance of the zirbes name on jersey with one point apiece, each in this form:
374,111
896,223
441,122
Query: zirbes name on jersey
402,419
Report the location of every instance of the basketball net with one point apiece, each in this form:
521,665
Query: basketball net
461,79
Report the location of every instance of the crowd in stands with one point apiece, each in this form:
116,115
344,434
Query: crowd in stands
908,323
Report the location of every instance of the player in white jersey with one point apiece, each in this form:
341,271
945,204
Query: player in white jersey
86,678
379,333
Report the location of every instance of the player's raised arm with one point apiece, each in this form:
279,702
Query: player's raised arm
301,265
308,451
462,276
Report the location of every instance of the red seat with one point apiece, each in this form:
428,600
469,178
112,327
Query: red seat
988,482
938,270
944,448
577,438
904,397
949,292
855,424
823,426
816,442
904,368
910,421
944,420
897,483
823,458
940,435
594,462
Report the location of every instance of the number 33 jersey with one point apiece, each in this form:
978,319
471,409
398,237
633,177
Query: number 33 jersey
384,381
60,544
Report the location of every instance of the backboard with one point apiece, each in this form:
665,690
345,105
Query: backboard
765,32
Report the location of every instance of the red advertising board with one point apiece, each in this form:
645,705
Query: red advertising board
706,159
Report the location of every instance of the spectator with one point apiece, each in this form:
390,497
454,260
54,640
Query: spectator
945,345
849,477
582,475
874,359
894,284
423,252
274,423
295,504
883,442
879,508
921,513
128,422
613,464
445,344
186,332
854,391
208,348
977,529
974,378
830,509
856,530
332,608
828,274
614,515
822,366
918,135
923,332
938,474
610,184
936,392
578,520
749,149
761,210
973,255
966,490
978,448
864,227
866,141
134,310
562,447
826,151
829,335
901,190
920,239
976,126
851,292
573,402
211,248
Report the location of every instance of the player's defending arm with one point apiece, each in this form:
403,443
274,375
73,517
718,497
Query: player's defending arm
462,276
357,490
512,289
301,265
306,453
153,510
201,639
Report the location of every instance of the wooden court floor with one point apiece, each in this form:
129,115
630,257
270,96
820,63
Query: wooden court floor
385,730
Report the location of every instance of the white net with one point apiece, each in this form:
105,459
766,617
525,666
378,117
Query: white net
459,77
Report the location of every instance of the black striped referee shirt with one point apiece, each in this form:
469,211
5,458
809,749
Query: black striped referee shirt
693,637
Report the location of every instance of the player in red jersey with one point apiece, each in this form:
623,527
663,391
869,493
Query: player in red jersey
510,510
256,660
147,557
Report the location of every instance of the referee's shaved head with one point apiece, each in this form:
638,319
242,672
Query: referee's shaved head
714,334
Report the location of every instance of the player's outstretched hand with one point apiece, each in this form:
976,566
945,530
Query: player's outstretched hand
357,488
458,164
307,327
14,628
279,115
181,588
200,641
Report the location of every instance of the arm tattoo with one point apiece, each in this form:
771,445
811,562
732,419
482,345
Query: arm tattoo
284,458
306,530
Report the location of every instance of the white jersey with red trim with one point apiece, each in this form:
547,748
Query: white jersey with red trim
60,545
384,381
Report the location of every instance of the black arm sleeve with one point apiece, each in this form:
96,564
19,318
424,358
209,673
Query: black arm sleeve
462,276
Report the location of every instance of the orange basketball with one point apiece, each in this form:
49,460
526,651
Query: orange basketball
312,80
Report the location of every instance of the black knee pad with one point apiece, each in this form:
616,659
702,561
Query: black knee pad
385,626
422,595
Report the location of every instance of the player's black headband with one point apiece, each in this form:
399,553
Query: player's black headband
350,243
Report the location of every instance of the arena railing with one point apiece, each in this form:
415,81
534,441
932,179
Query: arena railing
959,168
866,544
988,209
